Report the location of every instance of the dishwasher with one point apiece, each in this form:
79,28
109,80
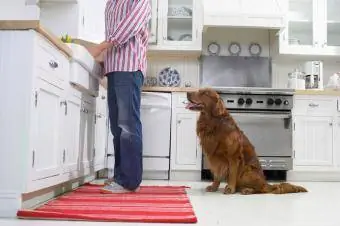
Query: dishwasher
156,124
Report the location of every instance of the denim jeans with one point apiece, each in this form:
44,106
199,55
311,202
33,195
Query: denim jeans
124,97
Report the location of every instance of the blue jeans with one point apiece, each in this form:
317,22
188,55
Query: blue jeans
124,97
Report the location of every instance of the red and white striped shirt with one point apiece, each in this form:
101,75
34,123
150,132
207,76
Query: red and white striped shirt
126,26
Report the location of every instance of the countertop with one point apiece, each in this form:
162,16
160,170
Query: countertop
327,92
35,25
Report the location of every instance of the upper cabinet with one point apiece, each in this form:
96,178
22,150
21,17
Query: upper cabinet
269,14
82,19
179,25
312,28
153,22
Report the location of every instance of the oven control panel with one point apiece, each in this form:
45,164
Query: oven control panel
251,101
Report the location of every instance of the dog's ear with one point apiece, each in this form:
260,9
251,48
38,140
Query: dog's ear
218,108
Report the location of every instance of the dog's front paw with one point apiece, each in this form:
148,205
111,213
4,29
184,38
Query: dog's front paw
229,190
211,188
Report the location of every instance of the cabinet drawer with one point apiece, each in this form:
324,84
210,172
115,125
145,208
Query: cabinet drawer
50,59
315,106
83,80
179,99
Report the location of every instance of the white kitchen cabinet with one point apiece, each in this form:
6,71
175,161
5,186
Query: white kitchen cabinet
336,142
84,19
72,127
312,28
313,139
153,22
264,14
46,121
315,134
101,131
179,25
87,132
48,115
186,154
186,140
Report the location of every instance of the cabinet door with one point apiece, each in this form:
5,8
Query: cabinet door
332,24
302,25
336,143
93,20
86,136
313,141
47,120
153,22
186,142
71,134
179,22
100,141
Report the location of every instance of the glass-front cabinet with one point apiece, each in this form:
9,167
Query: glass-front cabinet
180,23
301,23
313,27
333,23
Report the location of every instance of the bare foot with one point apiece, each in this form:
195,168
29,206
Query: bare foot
247,191
229,190
211,188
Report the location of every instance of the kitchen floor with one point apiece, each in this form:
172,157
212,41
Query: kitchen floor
319,207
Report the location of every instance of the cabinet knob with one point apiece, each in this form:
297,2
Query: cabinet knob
179,121
331,123
185,102
53,64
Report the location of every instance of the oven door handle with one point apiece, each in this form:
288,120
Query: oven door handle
269,116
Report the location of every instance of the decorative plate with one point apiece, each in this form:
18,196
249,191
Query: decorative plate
234,49
169,77
214,48
255,49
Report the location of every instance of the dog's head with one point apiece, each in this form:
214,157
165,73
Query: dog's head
207,101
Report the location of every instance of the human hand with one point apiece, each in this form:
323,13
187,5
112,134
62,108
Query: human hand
95,50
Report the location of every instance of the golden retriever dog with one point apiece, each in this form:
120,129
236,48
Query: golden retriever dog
231,156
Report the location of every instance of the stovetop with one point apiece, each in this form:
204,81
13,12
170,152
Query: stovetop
256,98
253,90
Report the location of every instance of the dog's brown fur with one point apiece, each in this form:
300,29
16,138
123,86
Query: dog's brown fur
230,154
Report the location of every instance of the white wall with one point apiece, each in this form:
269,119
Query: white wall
18,10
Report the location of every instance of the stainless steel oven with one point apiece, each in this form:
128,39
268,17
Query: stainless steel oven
265,116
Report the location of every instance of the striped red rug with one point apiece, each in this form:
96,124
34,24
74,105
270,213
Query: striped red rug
151,204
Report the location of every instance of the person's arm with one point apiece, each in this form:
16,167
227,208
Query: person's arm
138,16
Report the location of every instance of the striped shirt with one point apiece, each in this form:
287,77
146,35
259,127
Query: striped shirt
126,26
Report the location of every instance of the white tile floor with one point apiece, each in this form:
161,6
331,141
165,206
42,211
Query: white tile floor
319,207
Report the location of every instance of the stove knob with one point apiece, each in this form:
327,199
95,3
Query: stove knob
278,101
249,101
270,101
240,101
285,102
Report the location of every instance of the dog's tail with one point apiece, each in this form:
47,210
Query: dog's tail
283,188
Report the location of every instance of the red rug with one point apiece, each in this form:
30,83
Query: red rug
151,204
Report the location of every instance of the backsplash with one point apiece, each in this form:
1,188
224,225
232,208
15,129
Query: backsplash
188,68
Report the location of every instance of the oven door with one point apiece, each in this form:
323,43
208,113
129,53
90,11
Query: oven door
269,132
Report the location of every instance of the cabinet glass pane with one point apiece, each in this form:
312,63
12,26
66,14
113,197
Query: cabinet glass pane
333,23
300,22
180,23
150,21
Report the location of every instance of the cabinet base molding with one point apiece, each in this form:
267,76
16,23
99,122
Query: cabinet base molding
11,202
313,176
186,175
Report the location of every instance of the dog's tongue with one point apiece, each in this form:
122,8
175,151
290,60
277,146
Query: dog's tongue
190,105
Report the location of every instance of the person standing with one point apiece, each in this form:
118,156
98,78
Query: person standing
125,64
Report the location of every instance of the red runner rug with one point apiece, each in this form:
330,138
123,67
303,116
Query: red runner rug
151,204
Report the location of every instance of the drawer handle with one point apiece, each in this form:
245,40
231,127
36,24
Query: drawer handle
185,102
53,64
313,105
